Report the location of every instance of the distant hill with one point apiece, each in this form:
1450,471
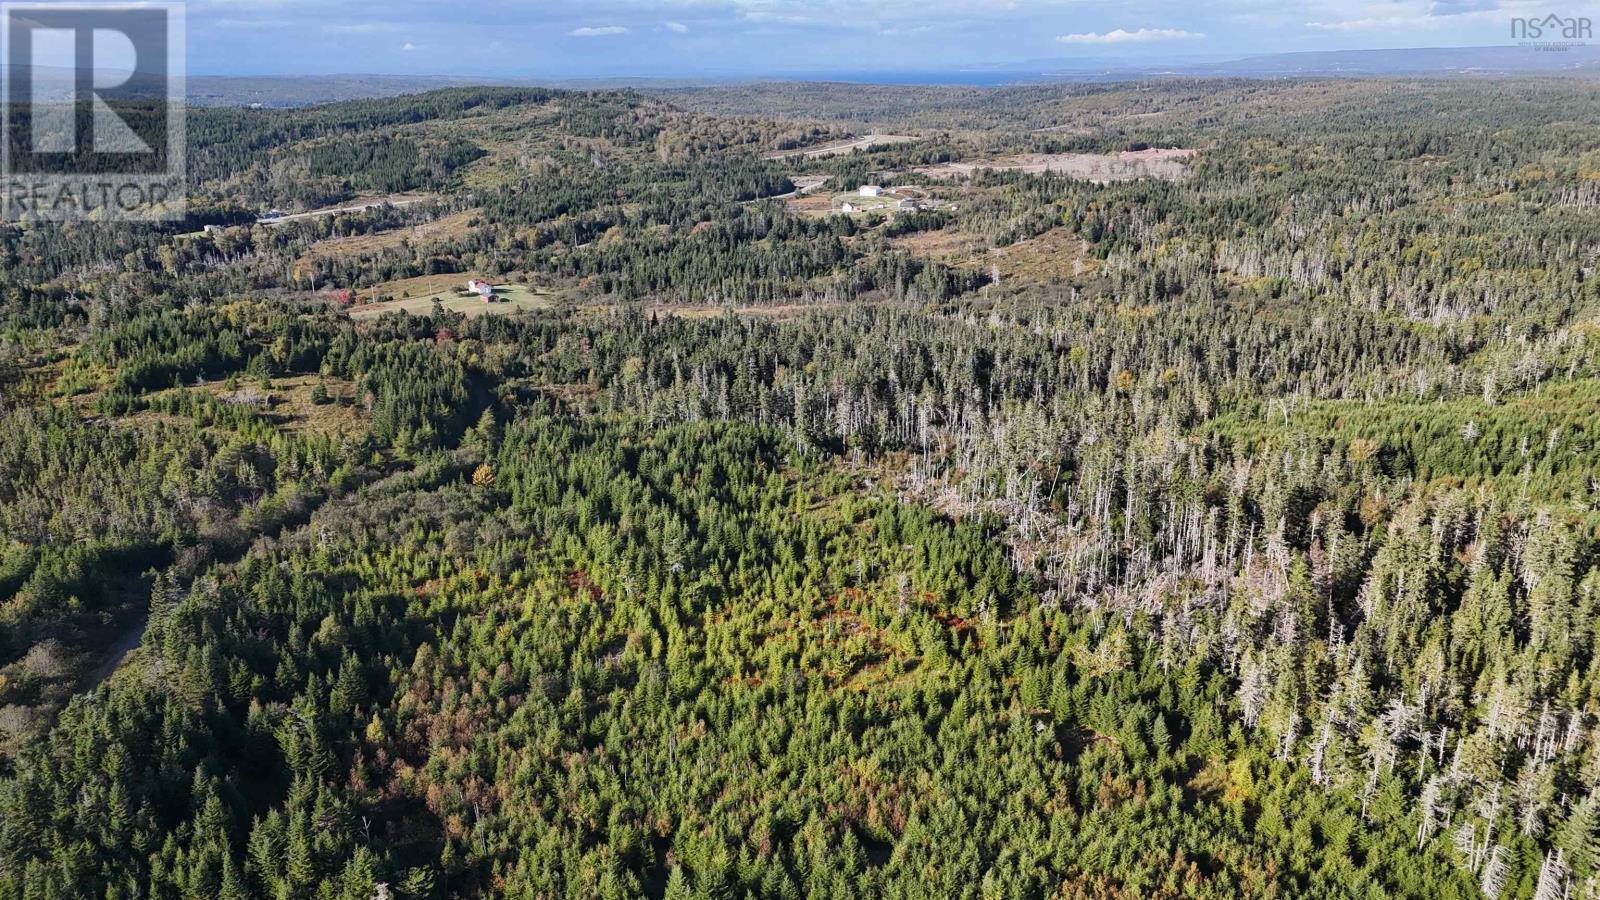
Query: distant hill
289,91
308,90
55,84
1415,61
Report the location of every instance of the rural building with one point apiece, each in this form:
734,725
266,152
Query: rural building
871,190
907,205
482,288
848,208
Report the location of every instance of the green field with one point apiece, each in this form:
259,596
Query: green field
884,203
509,298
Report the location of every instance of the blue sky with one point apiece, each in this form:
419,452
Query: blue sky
668,38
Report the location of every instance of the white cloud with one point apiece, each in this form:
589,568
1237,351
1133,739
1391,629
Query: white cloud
1461,7
602,31
677,28
1376,23
769,16
1403,16
226,24
409,47
1122,36
359,28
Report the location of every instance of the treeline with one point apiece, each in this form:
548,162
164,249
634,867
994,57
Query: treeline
1251,549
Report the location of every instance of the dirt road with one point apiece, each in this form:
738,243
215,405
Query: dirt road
338,210
871,140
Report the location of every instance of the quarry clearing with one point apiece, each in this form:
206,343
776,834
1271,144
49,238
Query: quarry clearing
1168,164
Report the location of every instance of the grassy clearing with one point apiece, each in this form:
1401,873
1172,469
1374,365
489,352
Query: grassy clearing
812,205
295,410
415,296
1055,256
292,405
882,203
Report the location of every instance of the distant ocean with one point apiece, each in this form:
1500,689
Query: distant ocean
945,77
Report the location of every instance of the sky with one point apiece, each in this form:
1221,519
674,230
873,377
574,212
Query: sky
744,38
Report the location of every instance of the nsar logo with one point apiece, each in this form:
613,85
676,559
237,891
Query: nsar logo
1552,32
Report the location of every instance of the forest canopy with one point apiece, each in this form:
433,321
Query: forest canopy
1078,529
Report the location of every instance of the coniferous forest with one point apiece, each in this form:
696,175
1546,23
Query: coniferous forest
1074,526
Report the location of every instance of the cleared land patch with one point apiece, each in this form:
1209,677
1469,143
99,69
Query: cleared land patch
451,226
355,206
854,202
295,408
1057,255
812,204
845,146
1170,164
291,402
951,246
888,200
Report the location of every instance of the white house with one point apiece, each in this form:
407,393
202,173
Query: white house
848,208
871,190
482,288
